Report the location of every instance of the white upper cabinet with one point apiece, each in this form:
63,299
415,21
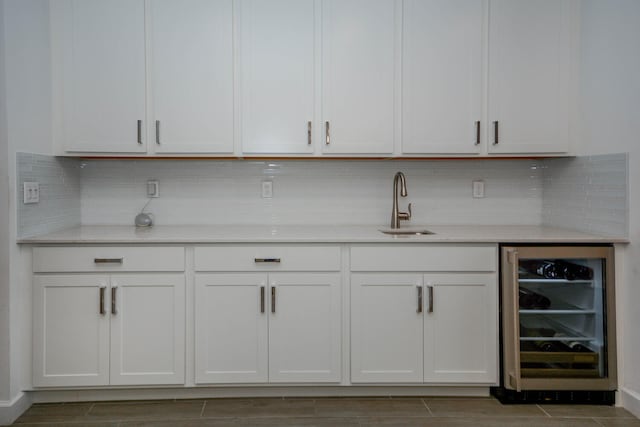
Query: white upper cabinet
277,52
103,75
358,68
191,76
529,61
442,76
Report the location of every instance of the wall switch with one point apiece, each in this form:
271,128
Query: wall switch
153,188
267,189
31,192
478,189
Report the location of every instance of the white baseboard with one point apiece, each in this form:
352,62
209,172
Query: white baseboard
10,410
630,401
44,396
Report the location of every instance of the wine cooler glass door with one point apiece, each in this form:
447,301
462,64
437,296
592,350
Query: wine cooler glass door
561,316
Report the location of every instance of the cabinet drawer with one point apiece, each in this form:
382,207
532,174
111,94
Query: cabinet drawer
424,258
108,258
267,258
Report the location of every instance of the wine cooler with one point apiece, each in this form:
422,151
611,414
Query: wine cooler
558,324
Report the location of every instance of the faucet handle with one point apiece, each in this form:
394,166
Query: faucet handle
405,215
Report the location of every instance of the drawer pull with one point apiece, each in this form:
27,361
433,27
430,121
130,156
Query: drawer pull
114,309
102,289
108,260
266,260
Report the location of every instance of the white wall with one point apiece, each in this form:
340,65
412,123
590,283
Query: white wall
4,225
609,123
27,97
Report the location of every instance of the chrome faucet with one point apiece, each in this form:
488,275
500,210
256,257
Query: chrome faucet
396,216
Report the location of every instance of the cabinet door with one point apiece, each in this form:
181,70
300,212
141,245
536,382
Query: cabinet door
68,321
441,76
386,328
461,328
358,61
147,329
104,76
277,76
529,56
231,328
305,327
191,76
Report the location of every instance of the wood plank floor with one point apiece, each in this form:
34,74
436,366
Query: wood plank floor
335,412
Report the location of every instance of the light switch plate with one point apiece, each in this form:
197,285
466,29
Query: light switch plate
31,192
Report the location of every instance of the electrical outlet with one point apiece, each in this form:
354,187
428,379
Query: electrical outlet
31,192
153,188
267,189
478,189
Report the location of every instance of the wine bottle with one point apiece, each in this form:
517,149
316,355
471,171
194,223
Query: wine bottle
552,346
532,300
543,268
572,271
578,347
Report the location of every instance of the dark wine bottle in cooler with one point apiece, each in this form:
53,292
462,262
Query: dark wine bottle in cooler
578,347
557,269
573,271
532,300
552,346
543,268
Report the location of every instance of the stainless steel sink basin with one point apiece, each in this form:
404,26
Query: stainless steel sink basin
406,232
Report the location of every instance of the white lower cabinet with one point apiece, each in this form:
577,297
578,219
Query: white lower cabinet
108,328
264,324
277,327
413,326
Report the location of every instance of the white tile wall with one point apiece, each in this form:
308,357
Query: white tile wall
310,192
587,194
59,205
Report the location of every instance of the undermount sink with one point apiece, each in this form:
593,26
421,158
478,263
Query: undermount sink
406,232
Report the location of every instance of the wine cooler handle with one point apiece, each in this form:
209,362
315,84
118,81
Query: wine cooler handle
516,377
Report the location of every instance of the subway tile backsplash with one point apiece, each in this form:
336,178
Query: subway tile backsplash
59,205
587,193
310,192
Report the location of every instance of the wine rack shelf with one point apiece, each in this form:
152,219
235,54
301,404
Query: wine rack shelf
558,357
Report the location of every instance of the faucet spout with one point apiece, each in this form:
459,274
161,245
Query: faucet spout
396,215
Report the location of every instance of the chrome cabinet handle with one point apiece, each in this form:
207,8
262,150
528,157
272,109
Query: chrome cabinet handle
309,133
496,139
261,299
273,299
327,130
108,260
102,290
419,310
114,309
430,290
477,133
266,260
139,131
158,132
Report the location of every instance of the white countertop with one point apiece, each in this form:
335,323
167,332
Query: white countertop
108,234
